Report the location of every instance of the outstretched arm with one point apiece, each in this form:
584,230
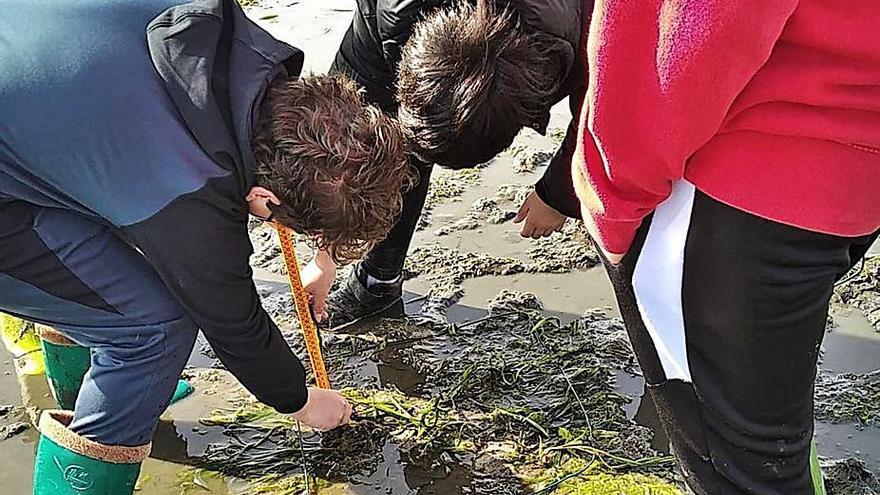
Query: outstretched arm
199,246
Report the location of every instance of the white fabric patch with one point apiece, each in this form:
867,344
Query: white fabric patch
657,280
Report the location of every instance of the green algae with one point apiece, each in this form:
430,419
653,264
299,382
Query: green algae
579,476
192,481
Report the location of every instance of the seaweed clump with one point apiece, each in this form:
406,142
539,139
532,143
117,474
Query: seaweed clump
521,402
515,357
849,397
849,477
266,442
863,291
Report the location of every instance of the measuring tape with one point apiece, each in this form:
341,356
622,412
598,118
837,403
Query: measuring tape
310,331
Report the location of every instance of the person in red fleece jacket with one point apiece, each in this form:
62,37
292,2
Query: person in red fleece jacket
728,166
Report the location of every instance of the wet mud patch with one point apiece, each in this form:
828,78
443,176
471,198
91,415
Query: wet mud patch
267,250
527,159
512,403
863,291
514,193
445,268
497,209
848,397
849,477
563,251
447,186
14,420
483,210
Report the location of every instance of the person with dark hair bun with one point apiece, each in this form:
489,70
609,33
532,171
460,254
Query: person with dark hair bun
463,77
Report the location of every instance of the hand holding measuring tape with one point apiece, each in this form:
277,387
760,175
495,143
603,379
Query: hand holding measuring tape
325,409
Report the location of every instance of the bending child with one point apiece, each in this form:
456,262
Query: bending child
137,138
463,78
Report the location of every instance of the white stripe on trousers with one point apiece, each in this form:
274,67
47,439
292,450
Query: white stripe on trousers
657,280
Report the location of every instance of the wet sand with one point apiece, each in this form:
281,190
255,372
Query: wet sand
317,28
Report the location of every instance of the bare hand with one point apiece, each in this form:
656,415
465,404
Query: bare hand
317,278
325,410
541,219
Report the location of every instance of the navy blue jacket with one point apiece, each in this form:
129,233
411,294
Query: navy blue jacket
140,115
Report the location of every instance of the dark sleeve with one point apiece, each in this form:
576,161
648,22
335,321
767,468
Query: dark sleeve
556,187
199,245
370,50
360,57
395,20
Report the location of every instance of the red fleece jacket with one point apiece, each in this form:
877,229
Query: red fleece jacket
770,106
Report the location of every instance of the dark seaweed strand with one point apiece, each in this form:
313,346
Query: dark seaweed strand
853,274
535,331
302,453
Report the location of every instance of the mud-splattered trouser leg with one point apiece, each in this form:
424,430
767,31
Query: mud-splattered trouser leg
726,312
69,272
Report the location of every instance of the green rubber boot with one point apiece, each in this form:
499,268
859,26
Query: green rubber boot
816,471
66,365
68,464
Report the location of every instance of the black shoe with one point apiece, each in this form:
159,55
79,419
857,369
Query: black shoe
353,301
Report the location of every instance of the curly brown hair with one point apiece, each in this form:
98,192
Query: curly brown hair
471,76
337,165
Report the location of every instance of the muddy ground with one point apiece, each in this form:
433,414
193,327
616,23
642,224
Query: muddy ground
510,375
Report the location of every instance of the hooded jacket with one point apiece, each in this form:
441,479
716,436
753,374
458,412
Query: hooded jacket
140,115
769,106
370,53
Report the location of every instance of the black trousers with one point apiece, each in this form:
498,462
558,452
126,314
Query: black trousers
385,260
726,312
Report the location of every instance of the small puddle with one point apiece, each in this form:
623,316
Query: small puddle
395,371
